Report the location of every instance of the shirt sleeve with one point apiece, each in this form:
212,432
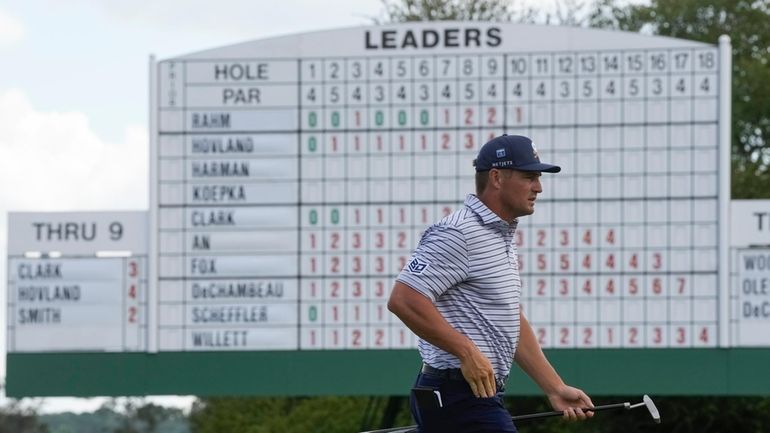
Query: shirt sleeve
439,262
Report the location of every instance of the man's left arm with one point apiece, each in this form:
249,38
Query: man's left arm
530,358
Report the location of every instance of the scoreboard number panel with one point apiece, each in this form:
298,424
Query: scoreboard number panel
292,184
77,282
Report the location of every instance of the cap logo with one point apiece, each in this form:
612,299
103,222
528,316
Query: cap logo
534,152
501,153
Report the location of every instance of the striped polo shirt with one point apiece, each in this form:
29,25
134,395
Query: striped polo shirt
466,264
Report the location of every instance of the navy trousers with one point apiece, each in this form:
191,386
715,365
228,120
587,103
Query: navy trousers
461,411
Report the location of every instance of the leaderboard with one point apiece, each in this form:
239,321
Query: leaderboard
294,176
77,281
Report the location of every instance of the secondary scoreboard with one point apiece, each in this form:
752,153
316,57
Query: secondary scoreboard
293,176
77,281
750,273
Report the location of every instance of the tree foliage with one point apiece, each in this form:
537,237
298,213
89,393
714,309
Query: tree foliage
130,416
141,417
275,415
457,10
17,419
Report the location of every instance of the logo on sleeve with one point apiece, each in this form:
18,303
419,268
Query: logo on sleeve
416,266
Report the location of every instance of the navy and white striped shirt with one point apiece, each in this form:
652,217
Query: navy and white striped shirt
467,265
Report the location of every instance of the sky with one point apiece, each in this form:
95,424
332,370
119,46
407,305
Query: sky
74,97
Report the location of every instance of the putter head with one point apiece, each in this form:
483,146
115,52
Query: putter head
651,407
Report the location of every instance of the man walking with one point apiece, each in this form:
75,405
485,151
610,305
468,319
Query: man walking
460,293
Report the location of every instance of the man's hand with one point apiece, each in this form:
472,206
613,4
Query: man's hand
571,400
422,317
478,372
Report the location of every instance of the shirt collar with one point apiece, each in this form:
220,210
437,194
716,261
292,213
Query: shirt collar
486,215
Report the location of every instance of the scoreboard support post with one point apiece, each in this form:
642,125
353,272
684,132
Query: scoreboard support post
152,271
725,169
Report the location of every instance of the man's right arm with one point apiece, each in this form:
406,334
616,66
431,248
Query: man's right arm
421,316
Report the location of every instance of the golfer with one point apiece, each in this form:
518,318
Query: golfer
460,293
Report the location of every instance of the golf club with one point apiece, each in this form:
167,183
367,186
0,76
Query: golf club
646,402
408,429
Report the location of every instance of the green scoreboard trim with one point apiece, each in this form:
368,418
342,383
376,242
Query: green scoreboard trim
373,372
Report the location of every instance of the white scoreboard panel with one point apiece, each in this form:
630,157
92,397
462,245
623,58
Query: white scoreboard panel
750,297
750,273
292,178
77,281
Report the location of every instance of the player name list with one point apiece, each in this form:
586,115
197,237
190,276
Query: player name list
292,191
81,304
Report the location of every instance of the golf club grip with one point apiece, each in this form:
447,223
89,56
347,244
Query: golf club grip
560,413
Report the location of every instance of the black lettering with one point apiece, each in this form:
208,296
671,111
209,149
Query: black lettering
472,35
38,230
368,42
755,287
64,232
430,38
239,71
48,294
409,40
451,37
241,96
389,39
39,271
86,235
238,144
262,71
201,242
493,37
760,217
220,169
238,290
230,314
70,229
203,266
227,338
221,72
212,218
34,316
752,311
219,193
210,120
756,262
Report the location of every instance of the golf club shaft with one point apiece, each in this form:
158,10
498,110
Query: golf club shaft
560,413
408,429
411,429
